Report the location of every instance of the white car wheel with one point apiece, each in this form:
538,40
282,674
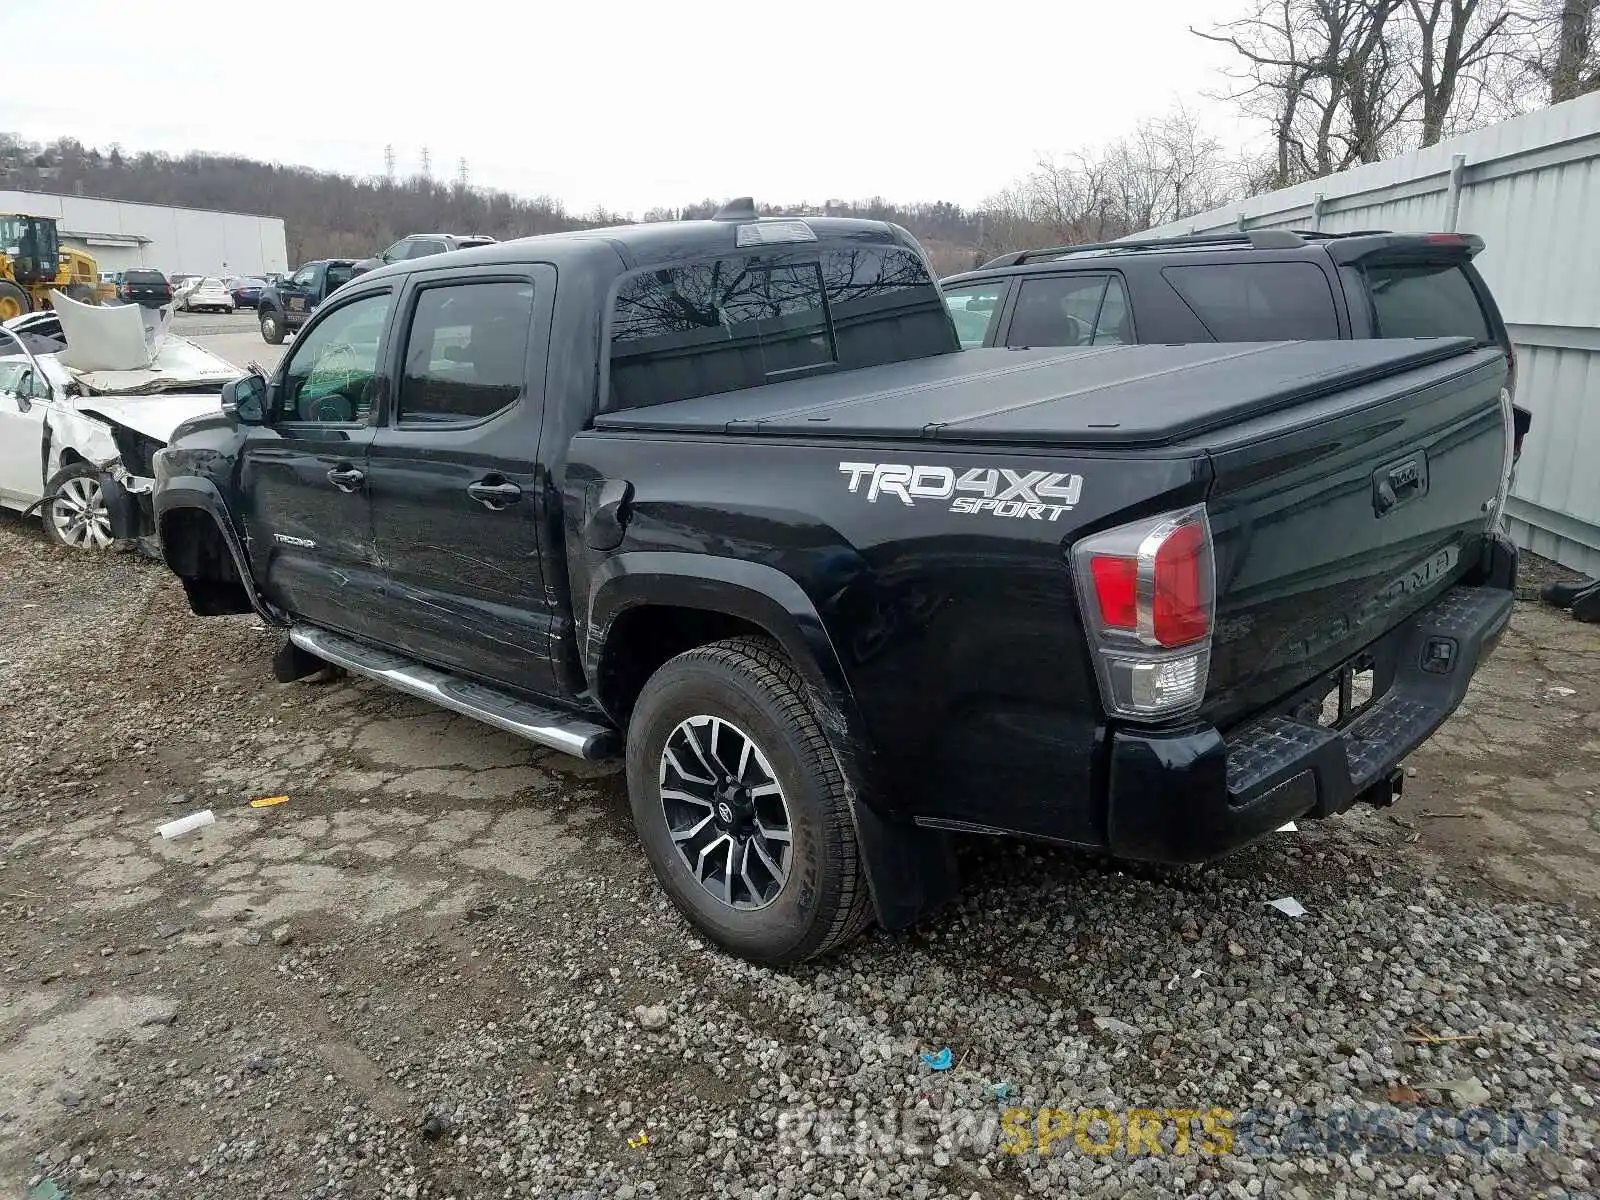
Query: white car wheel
77,517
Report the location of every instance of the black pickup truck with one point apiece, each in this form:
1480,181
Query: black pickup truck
725,497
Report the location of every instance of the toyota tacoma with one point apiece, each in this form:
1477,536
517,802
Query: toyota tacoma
726,498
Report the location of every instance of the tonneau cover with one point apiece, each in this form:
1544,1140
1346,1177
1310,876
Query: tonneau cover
1111,395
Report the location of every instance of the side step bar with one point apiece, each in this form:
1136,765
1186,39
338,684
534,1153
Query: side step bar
546,726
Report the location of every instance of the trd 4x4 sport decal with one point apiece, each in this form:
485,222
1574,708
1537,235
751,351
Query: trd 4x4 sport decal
995,491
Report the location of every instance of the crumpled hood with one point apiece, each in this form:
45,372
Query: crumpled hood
155,415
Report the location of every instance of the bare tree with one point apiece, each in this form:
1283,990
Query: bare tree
1342,82
1569,60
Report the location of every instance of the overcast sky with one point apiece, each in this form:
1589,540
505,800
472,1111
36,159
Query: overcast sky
624,103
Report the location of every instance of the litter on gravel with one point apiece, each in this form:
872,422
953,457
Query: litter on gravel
939,1060
1288,906
188,824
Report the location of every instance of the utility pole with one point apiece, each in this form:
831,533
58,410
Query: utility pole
427,164
461,174
388,162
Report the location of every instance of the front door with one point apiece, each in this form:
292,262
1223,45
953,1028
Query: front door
305,502
299,294
21,437
454,477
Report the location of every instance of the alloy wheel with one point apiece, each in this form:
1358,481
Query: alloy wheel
80,516
726,812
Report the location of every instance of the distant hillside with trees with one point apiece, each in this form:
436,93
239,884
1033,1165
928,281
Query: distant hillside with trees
1166,170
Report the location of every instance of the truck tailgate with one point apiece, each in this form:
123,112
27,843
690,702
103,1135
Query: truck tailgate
1336,521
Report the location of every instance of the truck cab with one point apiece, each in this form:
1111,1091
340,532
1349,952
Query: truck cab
285,306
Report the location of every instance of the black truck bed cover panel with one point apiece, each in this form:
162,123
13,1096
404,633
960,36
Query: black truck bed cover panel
1105,395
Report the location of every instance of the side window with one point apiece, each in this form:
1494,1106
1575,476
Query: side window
973,308
340,275
1114,327
1057,311
466,352
10,376
304,277
1425,300
422,247
1258,302
332,372
397,252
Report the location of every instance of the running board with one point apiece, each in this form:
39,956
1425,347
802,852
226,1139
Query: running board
546,726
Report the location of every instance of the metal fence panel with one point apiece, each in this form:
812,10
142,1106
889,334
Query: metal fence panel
1531,188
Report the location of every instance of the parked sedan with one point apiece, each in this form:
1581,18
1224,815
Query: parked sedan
207,294
246,292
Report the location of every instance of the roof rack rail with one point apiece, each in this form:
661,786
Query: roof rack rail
1256,239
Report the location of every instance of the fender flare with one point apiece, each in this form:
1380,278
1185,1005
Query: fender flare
909,869
198,493
754,592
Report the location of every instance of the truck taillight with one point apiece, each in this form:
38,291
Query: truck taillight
1148,592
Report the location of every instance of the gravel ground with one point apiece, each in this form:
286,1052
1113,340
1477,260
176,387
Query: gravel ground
442,968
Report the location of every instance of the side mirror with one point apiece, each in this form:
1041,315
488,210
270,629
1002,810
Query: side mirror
244,398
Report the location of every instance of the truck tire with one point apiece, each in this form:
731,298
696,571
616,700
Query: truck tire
272,328
82,293
13,300
742,807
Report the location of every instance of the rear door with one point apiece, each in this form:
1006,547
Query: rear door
305,502
455,480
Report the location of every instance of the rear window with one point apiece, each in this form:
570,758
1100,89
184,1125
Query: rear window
1258,302
1425,300
144,277
742,321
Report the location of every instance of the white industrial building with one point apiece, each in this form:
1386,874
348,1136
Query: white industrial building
188,241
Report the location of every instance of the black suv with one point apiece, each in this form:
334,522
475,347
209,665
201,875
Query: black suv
1256,286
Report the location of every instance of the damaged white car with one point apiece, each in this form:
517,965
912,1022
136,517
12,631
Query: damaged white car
85,392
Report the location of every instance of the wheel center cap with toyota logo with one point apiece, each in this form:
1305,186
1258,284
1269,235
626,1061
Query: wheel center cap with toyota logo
725,812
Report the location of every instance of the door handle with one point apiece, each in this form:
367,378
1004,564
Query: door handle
346,479
494,496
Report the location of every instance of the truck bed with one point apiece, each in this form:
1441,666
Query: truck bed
1113,396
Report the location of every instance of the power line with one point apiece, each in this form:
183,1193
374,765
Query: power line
427,164
462,178
388,161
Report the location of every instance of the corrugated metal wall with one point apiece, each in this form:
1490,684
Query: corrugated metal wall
1531,188
192,241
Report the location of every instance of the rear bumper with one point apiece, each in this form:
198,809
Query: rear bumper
1197,794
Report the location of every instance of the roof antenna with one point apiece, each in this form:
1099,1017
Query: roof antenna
742,208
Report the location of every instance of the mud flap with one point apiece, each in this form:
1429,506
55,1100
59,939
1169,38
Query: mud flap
130,520
910,870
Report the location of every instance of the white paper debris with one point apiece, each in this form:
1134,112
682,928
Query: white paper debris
183,825
1288,827
1288,906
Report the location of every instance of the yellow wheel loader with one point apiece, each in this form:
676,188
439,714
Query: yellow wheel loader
32,262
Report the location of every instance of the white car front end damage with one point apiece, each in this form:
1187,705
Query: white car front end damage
115,390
